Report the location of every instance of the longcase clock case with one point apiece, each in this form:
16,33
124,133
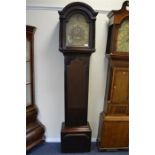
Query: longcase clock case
34,129
76,42
114,120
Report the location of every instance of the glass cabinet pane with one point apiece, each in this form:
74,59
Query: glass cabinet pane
28,95
28,48
77,31
28,74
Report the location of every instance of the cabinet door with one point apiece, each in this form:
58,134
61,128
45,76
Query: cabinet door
120,85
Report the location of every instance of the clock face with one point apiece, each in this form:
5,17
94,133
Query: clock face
77,31
123,37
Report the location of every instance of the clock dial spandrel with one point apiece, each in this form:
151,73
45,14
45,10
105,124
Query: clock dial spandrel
77,31
123,37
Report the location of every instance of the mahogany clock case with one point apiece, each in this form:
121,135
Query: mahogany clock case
34,129
76,42
114,120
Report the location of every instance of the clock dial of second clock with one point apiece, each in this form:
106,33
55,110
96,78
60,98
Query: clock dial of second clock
123,37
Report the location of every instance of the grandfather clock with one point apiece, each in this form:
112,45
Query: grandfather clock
77,43
114,120
34,129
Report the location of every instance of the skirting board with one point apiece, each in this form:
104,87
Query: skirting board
57,140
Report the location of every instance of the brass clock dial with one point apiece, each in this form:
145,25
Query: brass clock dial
77,31
123,37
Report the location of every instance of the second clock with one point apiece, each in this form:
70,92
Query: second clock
114,120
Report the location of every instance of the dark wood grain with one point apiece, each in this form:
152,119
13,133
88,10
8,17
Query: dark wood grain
76,132
76,86
75,139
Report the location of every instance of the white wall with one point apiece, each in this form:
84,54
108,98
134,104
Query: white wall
49,63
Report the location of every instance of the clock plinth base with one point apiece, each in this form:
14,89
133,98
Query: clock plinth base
75,139
115,127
